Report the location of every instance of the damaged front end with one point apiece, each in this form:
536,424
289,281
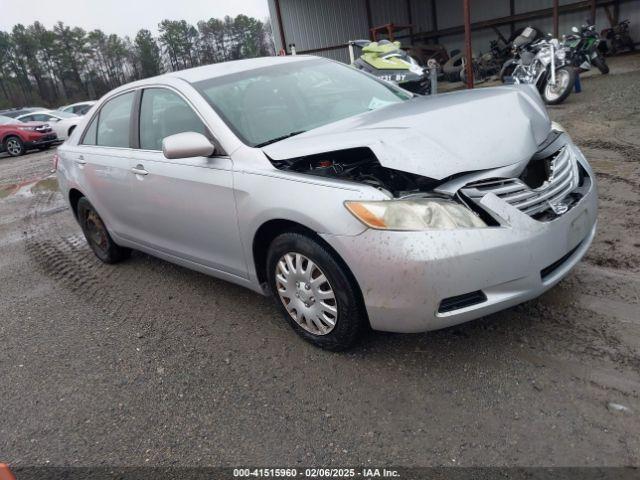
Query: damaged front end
413,202
359,165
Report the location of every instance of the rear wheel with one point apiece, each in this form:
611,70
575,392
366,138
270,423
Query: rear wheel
14,146
600,62
97,235
558,93
316,295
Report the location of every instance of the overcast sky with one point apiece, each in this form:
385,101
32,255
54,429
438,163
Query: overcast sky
124,17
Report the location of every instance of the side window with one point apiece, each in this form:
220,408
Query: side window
113,122
164,113
43,117
28,118
90,133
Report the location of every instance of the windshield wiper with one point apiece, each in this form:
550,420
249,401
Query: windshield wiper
277,139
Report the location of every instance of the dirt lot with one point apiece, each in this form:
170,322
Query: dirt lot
147,363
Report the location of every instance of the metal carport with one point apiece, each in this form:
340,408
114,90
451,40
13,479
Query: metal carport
324,27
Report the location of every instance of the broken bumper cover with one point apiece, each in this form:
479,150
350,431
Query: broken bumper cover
405,276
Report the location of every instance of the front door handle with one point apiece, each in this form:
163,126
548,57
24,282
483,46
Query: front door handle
139,170
80,160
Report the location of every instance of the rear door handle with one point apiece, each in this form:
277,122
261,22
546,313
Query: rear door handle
139,170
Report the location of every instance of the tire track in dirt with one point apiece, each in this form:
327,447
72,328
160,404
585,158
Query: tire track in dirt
66,257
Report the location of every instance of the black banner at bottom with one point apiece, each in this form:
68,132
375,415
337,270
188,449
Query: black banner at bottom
321,473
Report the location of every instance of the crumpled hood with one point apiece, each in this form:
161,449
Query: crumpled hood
437,136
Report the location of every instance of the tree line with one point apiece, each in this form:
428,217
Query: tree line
40,66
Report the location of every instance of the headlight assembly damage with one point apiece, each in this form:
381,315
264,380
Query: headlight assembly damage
415,214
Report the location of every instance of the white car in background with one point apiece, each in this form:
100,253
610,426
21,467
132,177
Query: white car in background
63,123
79,108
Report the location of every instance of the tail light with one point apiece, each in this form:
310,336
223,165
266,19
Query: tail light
55,160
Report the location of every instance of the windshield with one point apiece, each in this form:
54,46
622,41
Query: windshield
267,104
6,120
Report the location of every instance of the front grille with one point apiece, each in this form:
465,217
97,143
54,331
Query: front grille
563,179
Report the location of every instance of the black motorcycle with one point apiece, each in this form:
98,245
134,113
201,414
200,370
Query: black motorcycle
583,48
616,39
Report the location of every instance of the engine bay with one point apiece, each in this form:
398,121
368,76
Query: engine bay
359,165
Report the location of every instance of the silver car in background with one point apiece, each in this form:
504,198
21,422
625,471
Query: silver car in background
351,201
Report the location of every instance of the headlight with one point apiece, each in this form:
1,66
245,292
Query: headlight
32,129
415,214
557,127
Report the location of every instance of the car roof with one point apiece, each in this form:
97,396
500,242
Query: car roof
37,112
19,111
87,102
206,72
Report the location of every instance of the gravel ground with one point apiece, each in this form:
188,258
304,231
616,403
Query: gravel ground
146,363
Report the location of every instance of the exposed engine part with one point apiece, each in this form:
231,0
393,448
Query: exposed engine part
359,165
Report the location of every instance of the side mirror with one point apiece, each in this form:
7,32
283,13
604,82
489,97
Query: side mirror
575,30
186,145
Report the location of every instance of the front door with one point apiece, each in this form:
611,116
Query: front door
183,207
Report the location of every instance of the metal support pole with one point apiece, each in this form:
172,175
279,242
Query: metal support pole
367,6
283,41
556,22
410,21
593,12
434,19
467,43
512,12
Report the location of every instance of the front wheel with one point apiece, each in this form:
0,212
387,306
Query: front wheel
97,235
315,293
600,62
558,93
14,146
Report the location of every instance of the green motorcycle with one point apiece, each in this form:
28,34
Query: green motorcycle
387,61
583,47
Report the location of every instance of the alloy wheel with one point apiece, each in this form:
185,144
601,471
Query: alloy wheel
306,293
13,147
553,92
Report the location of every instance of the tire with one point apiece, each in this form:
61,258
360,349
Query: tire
291,281
600,62
568,77
453,67
97,235
13,146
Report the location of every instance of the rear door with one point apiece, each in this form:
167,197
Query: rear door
102,161
183,207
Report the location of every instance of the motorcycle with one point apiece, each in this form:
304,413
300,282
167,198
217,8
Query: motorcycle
542,63
387,61
583,45
616,38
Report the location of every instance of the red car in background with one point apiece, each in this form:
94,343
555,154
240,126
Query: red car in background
17,137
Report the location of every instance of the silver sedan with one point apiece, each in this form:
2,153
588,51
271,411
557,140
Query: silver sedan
353,202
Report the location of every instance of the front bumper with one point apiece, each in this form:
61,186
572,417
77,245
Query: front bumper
404,276
43,140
